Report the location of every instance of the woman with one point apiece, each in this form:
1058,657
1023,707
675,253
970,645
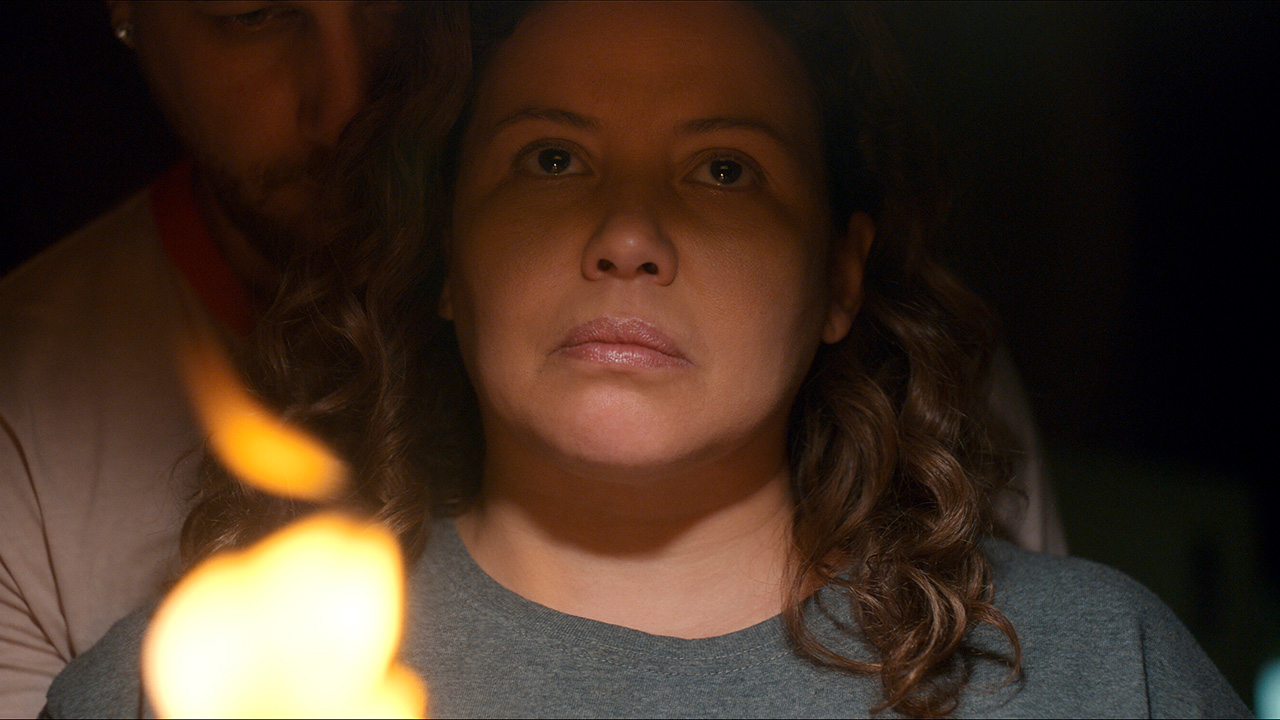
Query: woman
721,445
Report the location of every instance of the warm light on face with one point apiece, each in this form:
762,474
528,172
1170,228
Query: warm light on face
305,623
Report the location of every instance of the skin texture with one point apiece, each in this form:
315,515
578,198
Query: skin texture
655,167
258,92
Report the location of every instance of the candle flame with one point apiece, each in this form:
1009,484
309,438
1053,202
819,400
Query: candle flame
304,624
254,444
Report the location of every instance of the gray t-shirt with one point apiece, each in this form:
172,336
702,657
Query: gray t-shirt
1094,642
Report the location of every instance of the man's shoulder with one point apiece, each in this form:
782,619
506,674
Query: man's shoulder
124,235
86,339
108,287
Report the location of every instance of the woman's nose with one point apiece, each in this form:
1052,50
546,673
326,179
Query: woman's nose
630,244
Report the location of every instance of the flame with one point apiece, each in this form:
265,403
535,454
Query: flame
305,623
253,443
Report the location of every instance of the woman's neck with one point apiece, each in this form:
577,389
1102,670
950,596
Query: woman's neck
686,555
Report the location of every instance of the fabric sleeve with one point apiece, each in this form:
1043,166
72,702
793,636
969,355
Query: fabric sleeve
1181,680
28,661
29,608
106,681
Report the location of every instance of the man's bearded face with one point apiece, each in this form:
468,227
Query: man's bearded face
259,93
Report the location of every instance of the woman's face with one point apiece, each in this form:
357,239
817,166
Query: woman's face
639,270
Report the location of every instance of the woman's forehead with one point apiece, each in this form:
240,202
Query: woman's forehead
639,62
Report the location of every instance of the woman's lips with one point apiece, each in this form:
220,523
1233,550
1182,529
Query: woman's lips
627,342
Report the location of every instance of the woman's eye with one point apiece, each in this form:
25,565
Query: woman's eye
553,161
253,19
259,18
724,172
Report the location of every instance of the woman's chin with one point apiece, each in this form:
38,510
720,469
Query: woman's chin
627,435
642,455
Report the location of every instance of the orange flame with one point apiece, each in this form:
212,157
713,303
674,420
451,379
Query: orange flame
305,623
253,443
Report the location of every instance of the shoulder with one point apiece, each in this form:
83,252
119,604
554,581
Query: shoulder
89,309
113,268
1095,641
113,237
1040,582
96,440
88,328
106,680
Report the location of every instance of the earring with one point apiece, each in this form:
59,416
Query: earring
124,32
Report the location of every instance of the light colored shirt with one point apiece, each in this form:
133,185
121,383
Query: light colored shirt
97,445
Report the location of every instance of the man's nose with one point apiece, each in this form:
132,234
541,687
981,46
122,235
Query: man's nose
336,76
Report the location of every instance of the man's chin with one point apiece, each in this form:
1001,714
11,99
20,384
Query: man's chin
279,223
277,208
294,208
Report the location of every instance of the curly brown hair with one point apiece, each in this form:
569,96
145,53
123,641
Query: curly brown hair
895,454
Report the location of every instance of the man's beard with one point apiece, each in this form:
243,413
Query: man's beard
277,208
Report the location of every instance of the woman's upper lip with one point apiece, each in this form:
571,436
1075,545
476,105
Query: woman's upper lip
623,331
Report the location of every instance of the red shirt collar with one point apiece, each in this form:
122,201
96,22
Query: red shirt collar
191,248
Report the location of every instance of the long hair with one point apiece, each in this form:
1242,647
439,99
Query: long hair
895,456
343,349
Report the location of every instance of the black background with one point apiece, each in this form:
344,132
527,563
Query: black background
1116,164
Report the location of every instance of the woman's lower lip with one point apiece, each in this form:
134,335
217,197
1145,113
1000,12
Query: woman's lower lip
622,354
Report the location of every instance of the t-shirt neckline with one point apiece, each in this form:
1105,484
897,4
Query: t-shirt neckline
448,561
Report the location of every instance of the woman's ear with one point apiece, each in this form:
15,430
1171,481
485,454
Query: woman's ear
848,262
445,307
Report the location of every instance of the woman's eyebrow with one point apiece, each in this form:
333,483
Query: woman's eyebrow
554,115
569,118
711,124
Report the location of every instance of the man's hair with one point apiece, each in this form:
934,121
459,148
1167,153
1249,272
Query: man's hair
894,453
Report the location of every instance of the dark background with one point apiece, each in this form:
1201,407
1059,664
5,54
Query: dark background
1117,204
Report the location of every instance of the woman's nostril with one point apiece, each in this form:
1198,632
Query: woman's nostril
609,267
